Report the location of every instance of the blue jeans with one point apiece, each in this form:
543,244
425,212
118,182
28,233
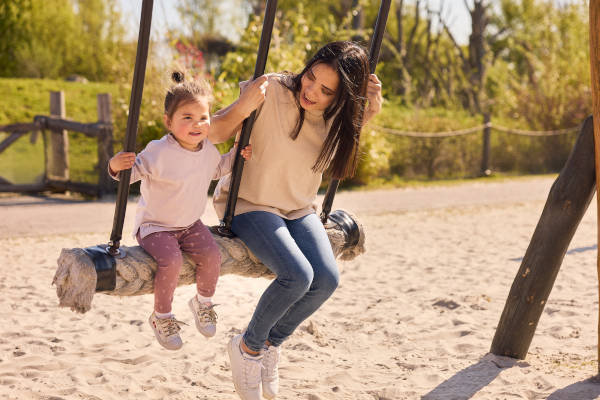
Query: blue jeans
299,253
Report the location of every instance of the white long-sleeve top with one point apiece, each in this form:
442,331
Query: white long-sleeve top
174,183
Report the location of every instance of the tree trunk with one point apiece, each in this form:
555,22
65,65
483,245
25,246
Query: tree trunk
567,202
595,74
76,275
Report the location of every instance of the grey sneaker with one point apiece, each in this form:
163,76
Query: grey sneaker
270,372
166,331
245,370
205,317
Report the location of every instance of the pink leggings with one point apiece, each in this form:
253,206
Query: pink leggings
166,247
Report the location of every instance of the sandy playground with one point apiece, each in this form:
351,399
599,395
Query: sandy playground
413,318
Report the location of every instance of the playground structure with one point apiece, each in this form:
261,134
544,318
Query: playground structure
567,202
130,271
78,276
56,147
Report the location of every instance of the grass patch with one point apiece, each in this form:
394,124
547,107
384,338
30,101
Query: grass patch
22,100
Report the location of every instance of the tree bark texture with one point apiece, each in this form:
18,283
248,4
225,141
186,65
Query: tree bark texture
76,278
567,202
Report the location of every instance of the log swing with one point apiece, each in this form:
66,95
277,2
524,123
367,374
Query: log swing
567,202
129,271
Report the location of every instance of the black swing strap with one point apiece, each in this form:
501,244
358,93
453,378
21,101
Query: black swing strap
376,40
135,102
224,228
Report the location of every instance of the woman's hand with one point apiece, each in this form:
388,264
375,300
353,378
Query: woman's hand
374,96
252,95
121,161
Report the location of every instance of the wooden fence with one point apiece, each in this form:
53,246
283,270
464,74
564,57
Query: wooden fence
56,149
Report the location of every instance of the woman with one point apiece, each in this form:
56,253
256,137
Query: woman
308,124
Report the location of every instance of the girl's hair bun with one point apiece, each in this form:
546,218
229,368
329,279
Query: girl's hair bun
177,76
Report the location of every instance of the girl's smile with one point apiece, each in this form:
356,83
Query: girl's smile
190,123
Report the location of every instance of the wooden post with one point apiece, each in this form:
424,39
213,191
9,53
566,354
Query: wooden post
58,160
595,75
105,144
485,156
567,202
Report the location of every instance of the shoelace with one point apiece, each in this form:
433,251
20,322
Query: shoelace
207,313
170,326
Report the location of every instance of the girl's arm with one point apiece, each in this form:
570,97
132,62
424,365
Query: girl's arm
224,122
126,160
375,98
226,164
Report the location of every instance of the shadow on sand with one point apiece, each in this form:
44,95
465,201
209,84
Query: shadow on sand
588,389
472,379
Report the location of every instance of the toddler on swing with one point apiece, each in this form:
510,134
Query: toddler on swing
175,172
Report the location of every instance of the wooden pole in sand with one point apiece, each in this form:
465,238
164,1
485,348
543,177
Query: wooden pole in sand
595,75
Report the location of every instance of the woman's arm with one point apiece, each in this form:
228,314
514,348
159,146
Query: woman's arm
375,98
225,121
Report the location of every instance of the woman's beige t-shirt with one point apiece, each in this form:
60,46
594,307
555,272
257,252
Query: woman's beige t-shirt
279,177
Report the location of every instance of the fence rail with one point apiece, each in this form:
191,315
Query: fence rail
56,172
475,129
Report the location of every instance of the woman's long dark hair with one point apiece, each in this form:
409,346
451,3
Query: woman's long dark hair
339,154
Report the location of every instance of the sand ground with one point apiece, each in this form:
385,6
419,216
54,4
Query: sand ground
413,318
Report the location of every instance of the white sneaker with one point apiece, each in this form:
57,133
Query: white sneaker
166,331
205,317
245,370
270,372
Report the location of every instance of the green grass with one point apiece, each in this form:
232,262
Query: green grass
22,100
387,160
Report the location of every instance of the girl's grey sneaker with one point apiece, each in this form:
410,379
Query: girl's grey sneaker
166,331
245,370
270,372
205,317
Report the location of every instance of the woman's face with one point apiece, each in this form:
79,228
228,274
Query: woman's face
319,85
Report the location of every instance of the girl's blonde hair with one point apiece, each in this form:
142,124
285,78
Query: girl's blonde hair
184,92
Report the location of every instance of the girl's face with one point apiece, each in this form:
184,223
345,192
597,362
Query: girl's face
190,123
319,85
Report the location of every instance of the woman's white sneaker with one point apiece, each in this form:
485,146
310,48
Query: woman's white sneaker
245,370
270,372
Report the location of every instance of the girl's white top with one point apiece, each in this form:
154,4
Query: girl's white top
279,178
174,183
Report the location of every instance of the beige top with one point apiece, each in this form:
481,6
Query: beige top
174,183
279,178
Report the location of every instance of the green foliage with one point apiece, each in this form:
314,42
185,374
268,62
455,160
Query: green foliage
69,37
12,37
542,81
294,39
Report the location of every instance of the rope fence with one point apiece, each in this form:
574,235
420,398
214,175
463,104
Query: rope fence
475,129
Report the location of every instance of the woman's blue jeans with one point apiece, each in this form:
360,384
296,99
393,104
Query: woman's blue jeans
299,254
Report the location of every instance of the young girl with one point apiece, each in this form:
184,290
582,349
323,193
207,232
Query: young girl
175,172
309,123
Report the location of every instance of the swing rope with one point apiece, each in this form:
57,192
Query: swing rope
376,40
135,102
224,229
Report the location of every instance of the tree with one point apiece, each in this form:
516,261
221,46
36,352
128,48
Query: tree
12,37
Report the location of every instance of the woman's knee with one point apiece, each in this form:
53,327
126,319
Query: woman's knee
298,279
328,279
